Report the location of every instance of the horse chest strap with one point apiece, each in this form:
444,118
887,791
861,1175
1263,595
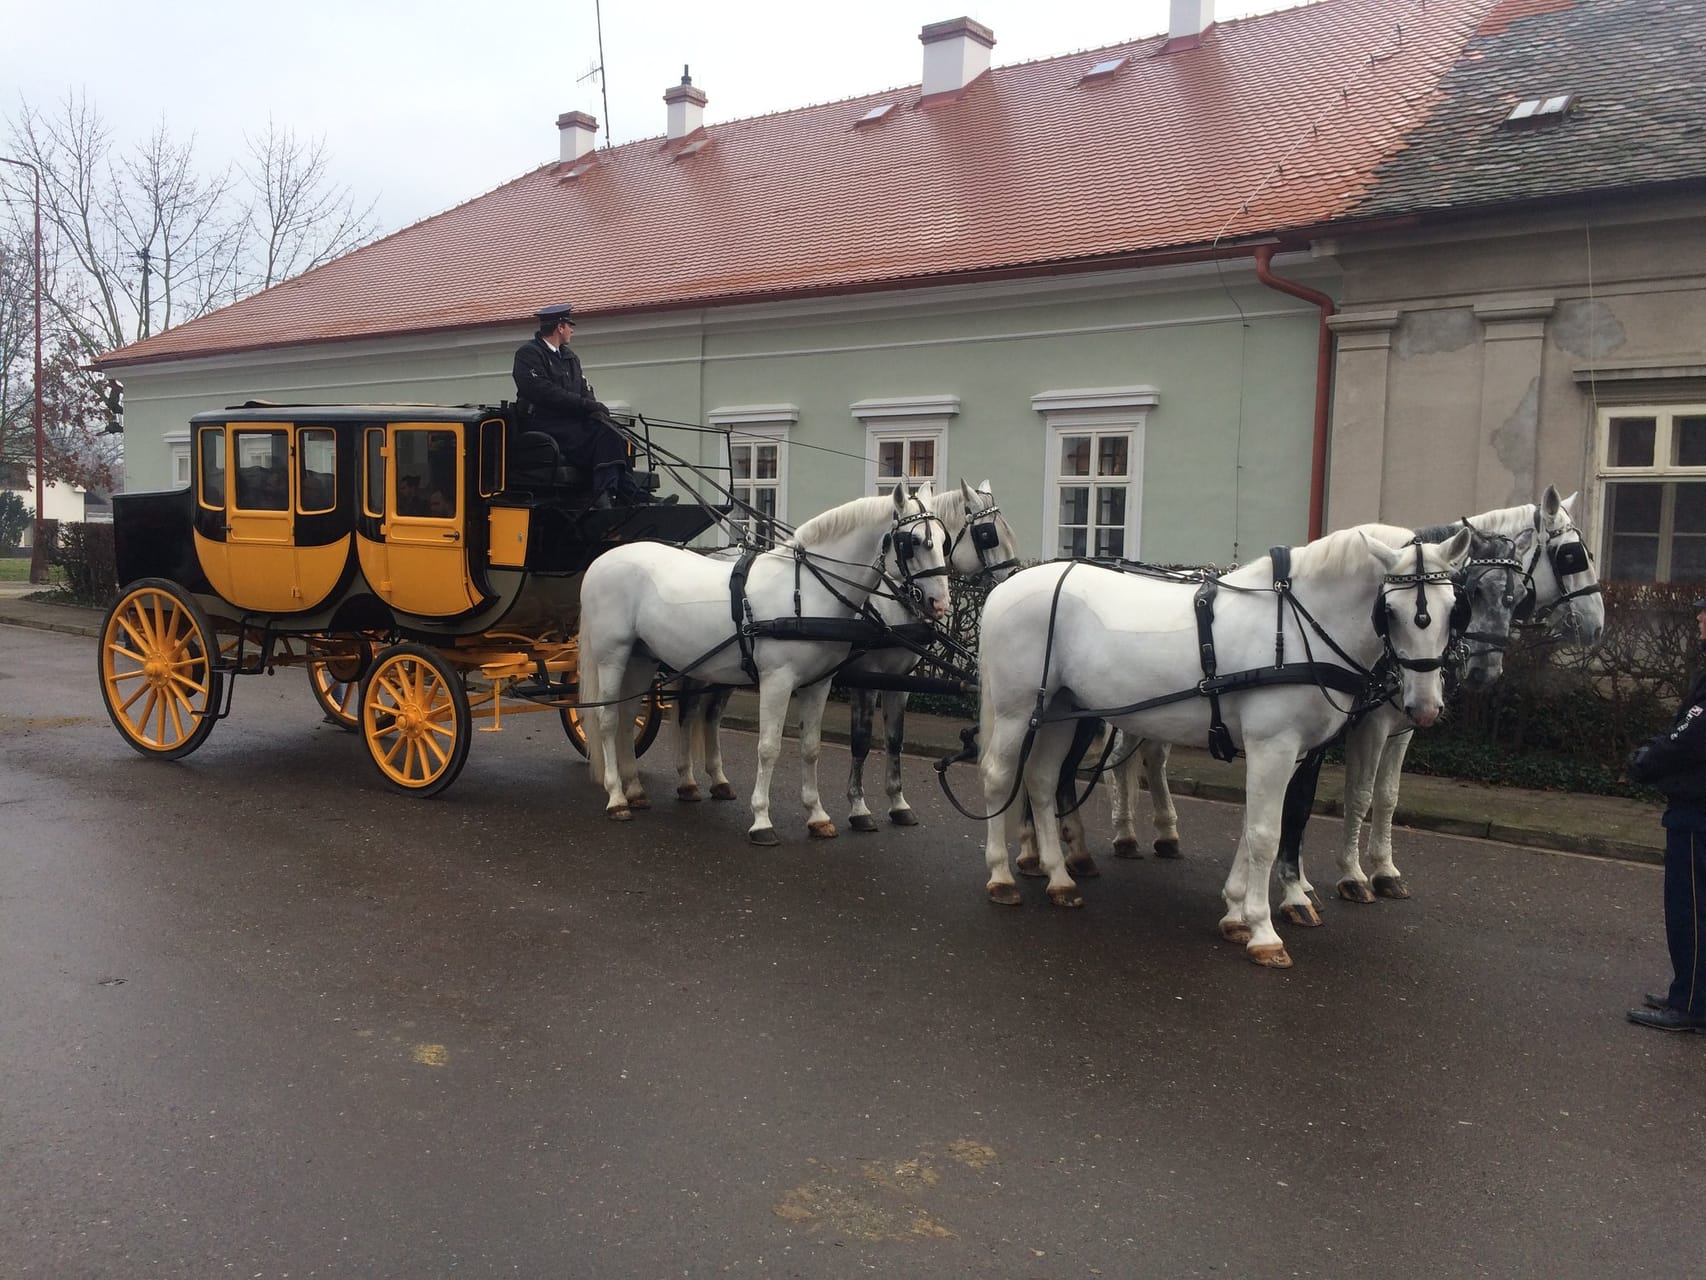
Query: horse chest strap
740,609
1219,736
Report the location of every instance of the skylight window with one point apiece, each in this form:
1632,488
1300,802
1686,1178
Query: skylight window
1106,68
1535,111
875,114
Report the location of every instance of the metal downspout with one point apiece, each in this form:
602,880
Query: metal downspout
1323,382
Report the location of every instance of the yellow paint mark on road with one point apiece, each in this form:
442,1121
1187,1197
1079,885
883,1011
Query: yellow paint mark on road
431,1055
974,1155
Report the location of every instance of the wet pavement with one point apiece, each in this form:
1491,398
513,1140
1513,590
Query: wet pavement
264,1017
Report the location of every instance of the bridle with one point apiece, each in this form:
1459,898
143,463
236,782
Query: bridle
1567,560
910,535
1517,606
984,529
1421,579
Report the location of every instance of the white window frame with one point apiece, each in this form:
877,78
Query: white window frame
906,418
760,424
1094,411
1658,472
178,456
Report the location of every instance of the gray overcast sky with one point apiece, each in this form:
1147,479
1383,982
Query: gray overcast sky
427,104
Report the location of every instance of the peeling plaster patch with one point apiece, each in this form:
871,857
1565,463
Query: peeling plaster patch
1587,329
1422,333
1513,440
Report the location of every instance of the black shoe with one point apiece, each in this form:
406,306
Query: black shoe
1657,999
668,500
1668,1019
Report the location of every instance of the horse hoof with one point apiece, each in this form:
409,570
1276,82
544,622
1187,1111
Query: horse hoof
1029,865
688,794
1168,849
862,822
903,817
1084,869
824,830
722,791
1006,895
1390,887
1355,891
1271,955
764,835
1235,931
639,802
1315,899
1127,849
1301,913
623,814
1065,896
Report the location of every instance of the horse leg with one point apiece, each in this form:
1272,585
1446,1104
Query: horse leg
1049,755
774,694
1298,903
1028,863
863,706
894,739
1122,784
1363,749
1154,756
811,701
1388,883
1267,771
634,687
711,738
997,765
1085,735
604,731
689,718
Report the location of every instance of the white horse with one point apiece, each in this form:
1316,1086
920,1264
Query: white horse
1543,538
980,542
1061,638
675,609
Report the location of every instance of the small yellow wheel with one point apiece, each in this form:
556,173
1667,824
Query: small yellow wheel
334,674
158,676
414,717
646,724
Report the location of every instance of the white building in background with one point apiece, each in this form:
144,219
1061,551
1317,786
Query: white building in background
66,503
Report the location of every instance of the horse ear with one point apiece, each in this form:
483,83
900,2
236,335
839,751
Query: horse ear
1524,542
966,490
1550,501
984,488
900,495
1457,550
1568,505
1388,556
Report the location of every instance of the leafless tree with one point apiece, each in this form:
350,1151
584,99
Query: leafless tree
298,218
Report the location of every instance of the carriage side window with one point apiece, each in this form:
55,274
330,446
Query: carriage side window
1652,479
211,442
427,472
373,471
1092,505
263,470
317,481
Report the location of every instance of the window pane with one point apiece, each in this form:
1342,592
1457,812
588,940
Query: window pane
890,456
923,459
1632,442
1690,513
316,483
213,467
373,467
765,467
1075,455
1688,437
1633,508
1110,543
1634,557
429,457
1075,504
741,493
740,461
766,502
1072,542
1111,455
263,470
1110,505
1688,560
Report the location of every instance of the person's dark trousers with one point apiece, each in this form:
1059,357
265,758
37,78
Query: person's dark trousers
1685,912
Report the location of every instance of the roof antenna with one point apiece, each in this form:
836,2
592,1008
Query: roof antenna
603,88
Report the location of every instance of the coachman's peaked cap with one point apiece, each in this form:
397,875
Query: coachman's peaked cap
555,315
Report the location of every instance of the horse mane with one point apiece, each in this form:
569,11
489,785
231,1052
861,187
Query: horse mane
949,506
1341,551
1506,521
859,513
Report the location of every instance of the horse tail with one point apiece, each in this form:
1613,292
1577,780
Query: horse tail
586,694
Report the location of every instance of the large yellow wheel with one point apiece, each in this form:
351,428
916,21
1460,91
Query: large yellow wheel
158,677
646,724
415,720
334,674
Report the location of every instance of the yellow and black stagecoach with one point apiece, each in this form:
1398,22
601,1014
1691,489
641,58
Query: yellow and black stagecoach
423,562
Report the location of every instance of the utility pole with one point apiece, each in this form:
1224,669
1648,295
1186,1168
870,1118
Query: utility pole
38,549
146,325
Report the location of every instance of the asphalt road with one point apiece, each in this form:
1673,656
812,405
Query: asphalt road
261,1017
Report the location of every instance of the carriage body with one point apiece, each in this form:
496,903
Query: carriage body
336,535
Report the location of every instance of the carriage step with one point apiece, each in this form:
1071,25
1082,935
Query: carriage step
537,690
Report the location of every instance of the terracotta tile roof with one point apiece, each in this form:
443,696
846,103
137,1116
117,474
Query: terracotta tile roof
1639,121
1273,122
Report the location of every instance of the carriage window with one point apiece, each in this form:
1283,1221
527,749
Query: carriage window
1094,487
316,484
491,457
426,472
211,442
373,471
263,470
1653,525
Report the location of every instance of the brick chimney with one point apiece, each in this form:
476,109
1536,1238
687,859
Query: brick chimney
576,133
686,107
1187,20
956,52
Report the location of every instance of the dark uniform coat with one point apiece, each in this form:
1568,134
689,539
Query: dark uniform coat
558,400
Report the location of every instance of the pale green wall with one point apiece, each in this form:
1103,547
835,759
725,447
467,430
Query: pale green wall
1227,448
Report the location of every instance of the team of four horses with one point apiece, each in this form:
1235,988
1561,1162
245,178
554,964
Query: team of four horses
1352,635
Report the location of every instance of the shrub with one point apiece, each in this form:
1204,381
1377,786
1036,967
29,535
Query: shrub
84,554
14,519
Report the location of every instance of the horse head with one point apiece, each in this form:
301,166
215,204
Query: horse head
1412,616
985,545
918,544
1494,588
1566,584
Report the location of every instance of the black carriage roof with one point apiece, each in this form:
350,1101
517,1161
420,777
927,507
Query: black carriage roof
265,411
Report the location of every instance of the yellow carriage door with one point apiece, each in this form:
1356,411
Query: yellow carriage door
246,469
424,553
